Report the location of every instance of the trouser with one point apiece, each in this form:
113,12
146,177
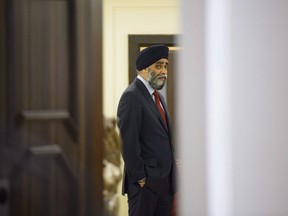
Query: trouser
148,203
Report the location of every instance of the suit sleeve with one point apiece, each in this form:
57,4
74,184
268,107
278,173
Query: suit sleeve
129,121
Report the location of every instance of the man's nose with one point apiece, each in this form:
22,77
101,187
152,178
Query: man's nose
164,71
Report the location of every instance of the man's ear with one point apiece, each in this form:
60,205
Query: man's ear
145,70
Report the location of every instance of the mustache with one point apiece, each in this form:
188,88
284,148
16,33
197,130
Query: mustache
162,76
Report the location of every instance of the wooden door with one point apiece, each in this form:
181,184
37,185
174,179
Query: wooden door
51,108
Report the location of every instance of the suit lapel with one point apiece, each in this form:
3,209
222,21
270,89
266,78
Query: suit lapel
165,109
151,102
167,119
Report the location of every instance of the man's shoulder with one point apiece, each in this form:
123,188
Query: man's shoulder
131,89
131,93
134,88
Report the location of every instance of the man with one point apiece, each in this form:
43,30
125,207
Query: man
145,129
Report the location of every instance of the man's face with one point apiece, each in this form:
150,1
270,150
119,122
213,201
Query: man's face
157,74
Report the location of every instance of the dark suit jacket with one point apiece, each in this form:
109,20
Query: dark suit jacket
146,141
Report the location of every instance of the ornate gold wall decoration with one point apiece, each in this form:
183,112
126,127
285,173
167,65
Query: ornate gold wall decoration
112,171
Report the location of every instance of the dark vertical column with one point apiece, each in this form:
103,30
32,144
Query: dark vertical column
89,51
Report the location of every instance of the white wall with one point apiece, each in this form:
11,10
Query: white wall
233,108
259,87
121,18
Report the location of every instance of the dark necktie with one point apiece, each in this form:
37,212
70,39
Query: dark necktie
157,100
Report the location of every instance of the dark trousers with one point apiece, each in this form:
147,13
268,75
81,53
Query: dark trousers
148,203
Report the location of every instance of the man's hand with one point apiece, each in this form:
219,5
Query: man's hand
142,182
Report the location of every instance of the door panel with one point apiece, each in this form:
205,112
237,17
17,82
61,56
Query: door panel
43,178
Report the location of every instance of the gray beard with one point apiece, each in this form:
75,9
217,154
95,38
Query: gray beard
154,82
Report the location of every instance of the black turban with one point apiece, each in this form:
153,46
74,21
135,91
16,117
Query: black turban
150,55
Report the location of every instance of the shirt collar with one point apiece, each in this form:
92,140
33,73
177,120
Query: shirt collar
149,88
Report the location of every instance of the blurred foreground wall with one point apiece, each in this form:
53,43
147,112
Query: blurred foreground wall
233,108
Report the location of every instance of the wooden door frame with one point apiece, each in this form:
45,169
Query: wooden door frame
89,47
